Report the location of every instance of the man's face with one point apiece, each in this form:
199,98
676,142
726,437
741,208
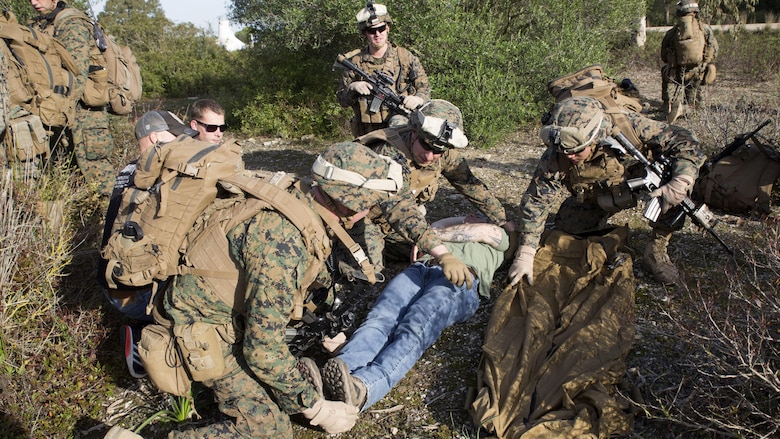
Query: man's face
43,6
210,126
580,156
421,152
377,36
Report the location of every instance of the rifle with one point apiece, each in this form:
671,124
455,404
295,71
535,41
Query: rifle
381,88
657,173
314,328
738,142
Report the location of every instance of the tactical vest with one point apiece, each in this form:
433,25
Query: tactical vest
423,182
600,179
689,42
397,65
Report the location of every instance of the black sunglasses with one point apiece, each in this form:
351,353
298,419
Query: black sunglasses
211,128
376,30
436,149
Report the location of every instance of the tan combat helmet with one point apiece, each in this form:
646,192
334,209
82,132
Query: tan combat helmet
372,15
440,124
356,176
574,124
687,6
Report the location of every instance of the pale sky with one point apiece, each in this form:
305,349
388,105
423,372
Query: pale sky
201,13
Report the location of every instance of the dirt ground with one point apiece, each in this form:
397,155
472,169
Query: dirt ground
429,402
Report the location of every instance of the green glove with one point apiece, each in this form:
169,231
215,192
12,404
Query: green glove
455,270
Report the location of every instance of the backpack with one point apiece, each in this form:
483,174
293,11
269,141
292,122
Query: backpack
689,42
41,72
114,75
615,97
741,182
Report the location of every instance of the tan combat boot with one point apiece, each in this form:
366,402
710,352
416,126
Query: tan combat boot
342,385
657,261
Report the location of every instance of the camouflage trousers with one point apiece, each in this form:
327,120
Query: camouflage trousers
243,398
90,146
677,84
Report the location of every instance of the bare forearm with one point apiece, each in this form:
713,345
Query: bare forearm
489,234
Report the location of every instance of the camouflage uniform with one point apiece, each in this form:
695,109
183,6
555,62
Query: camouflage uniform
409,77
91,142
401,220
261,384
597,186
673,74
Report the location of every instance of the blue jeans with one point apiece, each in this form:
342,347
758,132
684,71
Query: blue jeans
407,318
135,308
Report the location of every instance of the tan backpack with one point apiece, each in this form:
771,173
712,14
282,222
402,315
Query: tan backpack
174,183
616,98
114,75
41,72
689,42
741,182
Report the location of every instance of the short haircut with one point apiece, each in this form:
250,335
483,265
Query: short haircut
201,105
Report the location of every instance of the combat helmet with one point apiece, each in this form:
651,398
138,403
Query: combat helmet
356,176
439,123
574,124
687,6
372,15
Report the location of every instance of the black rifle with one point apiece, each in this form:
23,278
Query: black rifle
381,88
658,173
738,141
312,328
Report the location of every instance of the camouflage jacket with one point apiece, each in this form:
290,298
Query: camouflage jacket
270,252
423,182
76,36
555,172
400,64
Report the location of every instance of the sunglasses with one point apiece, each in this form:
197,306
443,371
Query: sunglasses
211,128
436,149
376,30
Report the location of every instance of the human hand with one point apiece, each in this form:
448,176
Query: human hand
333,416
411,102
673,192
455,270
523,265
360,87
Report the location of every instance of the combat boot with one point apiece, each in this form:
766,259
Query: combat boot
657,261
342,385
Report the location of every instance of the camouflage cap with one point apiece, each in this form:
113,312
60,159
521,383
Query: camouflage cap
687,6
440,124
372,15
574,124
356,176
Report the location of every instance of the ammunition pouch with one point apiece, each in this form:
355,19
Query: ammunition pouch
201,349
618,197
163,361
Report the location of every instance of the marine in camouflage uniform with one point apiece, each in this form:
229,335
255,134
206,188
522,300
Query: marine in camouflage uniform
689,77
579,159
409,78
427,148
263,383
88,138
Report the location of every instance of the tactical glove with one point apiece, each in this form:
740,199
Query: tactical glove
360,87
412,102
455,270
523,265
673,192
333,416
